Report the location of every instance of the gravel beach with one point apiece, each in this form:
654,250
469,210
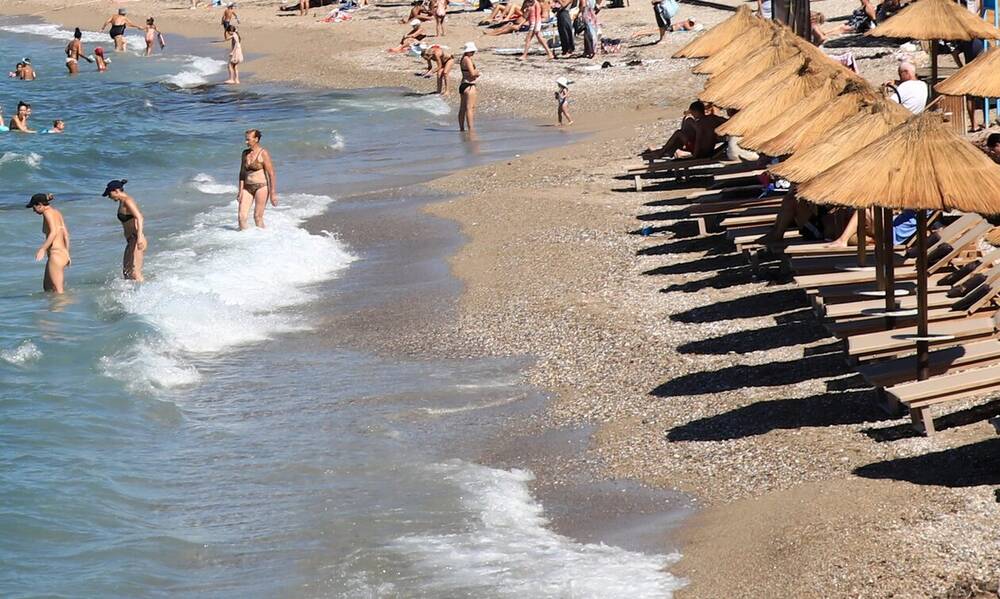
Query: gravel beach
693,374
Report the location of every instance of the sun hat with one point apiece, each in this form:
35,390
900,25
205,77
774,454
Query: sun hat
38,198
114,185
415,22
469,48
563,82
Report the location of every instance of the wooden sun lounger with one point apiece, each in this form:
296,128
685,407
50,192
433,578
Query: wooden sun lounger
894,342
921,396
680,169
943,361
812,248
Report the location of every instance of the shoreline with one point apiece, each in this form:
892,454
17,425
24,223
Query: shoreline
694,375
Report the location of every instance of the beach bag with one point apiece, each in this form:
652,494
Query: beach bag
668,8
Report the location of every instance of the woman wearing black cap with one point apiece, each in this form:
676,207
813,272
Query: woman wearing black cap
131,219
56,245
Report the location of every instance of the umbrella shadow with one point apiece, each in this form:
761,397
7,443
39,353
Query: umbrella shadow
826,409
970,465
740,376
753,306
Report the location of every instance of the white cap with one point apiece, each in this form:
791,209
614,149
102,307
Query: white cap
415,22
563,82
469,47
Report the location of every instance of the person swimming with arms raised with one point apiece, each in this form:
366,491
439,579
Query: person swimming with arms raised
56,244
132,222
257,181
19,122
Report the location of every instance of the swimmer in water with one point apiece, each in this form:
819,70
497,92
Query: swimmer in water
3,128
119,23
19,122
100,60
27,72
56,245
257,183
152,35
58,126
131,219
438,61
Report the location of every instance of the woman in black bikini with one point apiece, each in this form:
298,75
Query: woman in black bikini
467,91
257,184
132,225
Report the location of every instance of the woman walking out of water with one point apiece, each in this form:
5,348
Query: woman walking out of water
235,55
132,226
257,185
74,52
56,245
467,90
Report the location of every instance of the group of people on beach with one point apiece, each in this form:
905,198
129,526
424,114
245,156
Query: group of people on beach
257,188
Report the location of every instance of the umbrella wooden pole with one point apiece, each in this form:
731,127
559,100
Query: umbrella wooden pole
923,354
862,237
934,67
879,278
889,262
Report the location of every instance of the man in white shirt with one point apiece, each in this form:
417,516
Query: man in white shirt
909,91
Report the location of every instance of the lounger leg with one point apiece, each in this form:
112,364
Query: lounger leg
702,228
922,420
890,404
638,183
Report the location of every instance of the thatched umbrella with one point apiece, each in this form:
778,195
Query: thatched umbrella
809,78
735,78
766,83
981,77
736,51
934,20
799,129
921,165
717,37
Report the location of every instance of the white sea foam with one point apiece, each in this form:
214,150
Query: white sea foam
135,43
207,184
22,354
31,159
336,140
435,105
506,549
196,72
212,288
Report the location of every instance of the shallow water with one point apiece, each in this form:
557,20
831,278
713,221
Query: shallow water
203,434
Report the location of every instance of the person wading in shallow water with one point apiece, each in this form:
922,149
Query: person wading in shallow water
467,90
132,226
119,23
257,182
56,245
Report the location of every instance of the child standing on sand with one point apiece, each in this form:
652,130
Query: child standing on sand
562,100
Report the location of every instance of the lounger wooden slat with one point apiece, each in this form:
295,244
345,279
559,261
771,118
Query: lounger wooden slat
943,361
952,332
810,248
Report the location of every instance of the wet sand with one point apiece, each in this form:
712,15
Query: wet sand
694,375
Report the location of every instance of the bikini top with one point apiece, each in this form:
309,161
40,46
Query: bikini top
255,164
124,217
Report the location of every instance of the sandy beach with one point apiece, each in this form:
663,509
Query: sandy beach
693,374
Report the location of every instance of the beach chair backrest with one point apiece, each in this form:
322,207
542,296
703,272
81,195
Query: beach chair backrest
983,294
931,219
946,252
948,233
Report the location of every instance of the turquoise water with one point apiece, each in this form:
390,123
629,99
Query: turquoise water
203,434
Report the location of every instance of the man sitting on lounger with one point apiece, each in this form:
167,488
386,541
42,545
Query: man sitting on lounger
696,137
909,91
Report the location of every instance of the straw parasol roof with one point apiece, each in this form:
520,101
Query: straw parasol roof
717,37
936,20
981,77
921,164
814,125
766,83
815,104
724,85
842,141
736,51
808,79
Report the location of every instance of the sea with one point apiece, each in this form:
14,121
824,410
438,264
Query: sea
210,433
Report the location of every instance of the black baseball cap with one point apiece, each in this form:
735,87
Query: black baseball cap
114,185
39,199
